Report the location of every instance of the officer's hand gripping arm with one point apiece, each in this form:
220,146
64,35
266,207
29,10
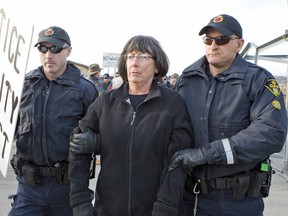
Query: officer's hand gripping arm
188,158
83,143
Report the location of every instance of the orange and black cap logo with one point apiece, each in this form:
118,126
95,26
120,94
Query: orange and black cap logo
49,32
218,19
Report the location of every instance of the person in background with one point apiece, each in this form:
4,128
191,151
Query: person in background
117,81
55,97
239,119
173,78
107,84
135,128
165,82
93,75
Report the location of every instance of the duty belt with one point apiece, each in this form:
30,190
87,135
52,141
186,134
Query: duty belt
33,173
222,183
251,183
50,171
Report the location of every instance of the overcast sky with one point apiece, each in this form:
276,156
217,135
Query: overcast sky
100,26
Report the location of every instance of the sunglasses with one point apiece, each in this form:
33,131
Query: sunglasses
53,49
221,40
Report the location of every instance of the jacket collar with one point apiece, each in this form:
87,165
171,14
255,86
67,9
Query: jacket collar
199,67
122,91
70,76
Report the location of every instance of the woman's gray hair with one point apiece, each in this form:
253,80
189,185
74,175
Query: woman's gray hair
144,44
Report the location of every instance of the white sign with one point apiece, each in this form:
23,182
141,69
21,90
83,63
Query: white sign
110,59
15,45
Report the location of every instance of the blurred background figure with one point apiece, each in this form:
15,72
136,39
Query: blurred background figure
173,79
106,84
165,82
117,81
93,74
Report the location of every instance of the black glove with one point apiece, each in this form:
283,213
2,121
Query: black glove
162,209
82,143
85,209
188,158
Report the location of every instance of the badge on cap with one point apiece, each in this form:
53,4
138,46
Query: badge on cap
49,32
218,19
273,87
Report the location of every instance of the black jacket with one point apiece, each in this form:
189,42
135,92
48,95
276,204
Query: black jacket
239,116
49,111
135,149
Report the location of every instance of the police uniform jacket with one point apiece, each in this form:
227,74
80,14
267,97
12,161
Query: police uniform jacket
239,116
49,110
135,148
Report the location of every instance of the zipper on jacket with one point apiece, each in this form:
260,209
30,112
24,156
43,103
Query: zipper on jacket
133,118
130,157
44,115
130,160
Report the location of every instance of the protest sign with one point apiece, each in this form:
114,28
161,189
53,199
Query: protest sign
15,44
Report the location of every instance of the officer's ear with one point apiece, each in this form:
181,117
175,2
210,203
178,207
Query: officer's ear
240,44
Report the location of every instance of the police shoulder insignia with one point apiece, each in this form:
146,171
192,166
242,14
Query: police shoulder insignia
276,104
273,87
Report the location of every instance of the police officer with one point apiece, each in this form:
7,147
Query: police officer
239,119
55,97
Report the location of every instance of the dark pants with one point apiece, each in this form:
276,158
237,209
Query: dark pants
221,203
45,199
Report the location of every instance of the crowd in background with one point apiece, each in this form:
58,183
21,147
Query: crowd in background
107,82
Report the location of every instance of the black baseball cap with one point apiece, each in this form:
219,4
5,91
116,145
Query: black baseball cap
225,24
54,35
106,75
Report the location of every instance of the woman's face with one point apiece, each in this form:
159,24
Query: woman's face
140,68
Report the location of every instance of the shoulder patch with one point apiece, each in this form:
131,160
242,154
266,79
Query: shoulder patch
273,87
276,104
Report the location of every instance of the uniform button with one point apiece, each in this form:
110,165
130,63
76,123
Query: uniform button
210,91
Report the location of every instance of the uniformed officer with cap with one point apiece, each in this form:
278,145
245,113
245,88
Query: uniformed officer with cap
239,119
55,97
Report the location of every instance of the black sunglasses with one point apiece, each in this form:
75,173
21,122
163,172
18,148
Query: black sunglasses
221,40
53,49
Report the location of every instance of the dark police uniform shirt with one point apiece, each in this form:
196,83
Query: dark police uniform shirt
239,115
49,111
